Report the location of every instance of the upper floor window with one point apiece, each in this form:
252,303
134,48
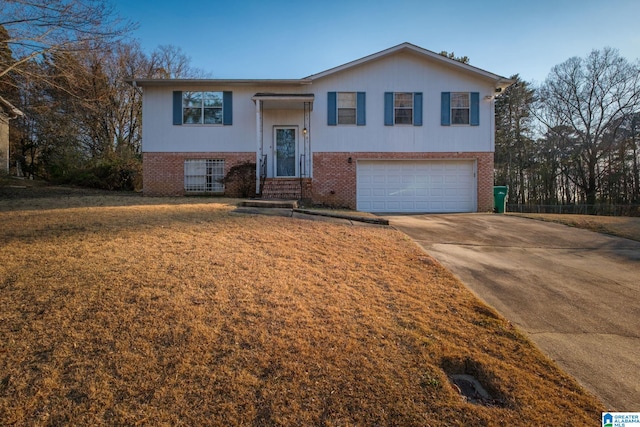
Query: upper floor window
346,108
403,108
202,108
460,108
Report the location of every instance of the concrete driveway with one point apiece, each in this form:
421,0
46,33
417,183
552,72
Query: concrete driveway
576,293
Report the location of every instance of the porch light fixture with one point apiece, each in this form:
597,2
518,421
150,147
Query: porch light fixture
304,131
349,160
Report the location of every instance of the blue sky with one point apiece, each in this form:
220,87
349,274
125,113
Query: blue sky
294,39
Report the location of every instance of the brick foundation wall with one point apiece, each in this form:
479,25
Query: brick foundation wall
163,173
334,178
485,181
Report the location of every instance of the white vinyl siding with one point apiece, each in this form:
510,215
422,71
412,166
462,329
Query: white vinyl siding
416,186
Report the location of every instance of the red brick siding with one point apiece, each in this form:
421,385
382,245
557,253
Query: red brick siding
307,189
334,178
163,173
333,183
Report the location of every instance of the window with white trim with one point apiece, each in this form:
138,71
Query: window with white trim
460,108
347,103
403,108
202,108
203,175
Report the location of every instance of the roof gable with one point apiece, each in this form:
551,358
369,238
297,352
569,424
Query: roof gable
500,81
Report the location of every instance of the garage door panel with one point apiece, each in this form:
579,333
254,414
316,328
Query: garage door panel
416,186
394,181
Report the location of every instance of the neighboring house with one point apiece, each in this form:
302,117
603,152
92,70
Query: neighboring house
7,112
402,130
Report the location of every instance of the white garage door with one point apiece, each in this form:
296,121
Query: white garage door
416,186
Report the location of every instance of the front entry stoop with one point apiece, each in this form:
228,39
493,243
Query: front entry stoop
275,204
282,189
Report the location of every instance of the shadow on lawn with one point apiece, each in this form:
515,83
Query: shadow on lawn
45,197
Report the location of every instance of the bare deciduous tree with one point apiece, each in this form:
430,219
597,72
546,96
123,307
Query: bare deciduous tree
591,96
44,27
170,62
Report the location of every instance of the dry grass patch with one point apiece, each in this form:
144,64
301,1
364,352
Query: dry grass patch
627,227
189,314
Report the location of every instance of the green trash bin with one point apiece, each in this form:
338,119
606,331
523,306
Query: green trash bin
500,198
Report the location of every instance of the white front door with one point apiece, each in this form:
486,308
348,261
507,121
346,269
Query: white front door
286,152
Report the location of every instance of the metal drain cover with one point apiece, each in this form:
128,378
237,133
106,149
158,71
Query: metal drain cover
470,388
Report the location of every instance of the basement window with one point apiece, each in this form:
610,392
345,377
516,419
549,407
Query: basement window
203,175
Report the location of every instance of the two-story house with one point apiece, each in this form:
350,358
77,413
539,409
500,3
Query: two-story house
402,130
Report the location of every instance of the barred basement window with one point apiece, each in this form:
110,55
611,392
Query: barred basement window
203,175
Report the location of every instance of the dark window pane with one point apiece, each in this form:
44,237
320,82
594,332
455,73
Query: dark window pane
460,116
192,116
404,116
346,116
285,152
213,116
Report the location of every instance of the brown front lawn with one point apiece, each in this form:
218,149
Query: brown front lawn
135,311
626,227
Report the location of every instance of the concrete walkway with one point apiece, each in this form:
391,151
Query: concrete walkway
290,208
575,293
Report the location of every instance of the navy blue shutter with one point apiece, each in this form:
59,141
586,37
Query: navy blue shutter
417,109
227,108
177,107
474,114
388,108
361,111
445,109
332,109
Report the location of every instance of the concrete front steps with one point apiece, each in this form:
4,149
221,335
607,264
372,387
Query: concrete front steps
282,189
275,204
